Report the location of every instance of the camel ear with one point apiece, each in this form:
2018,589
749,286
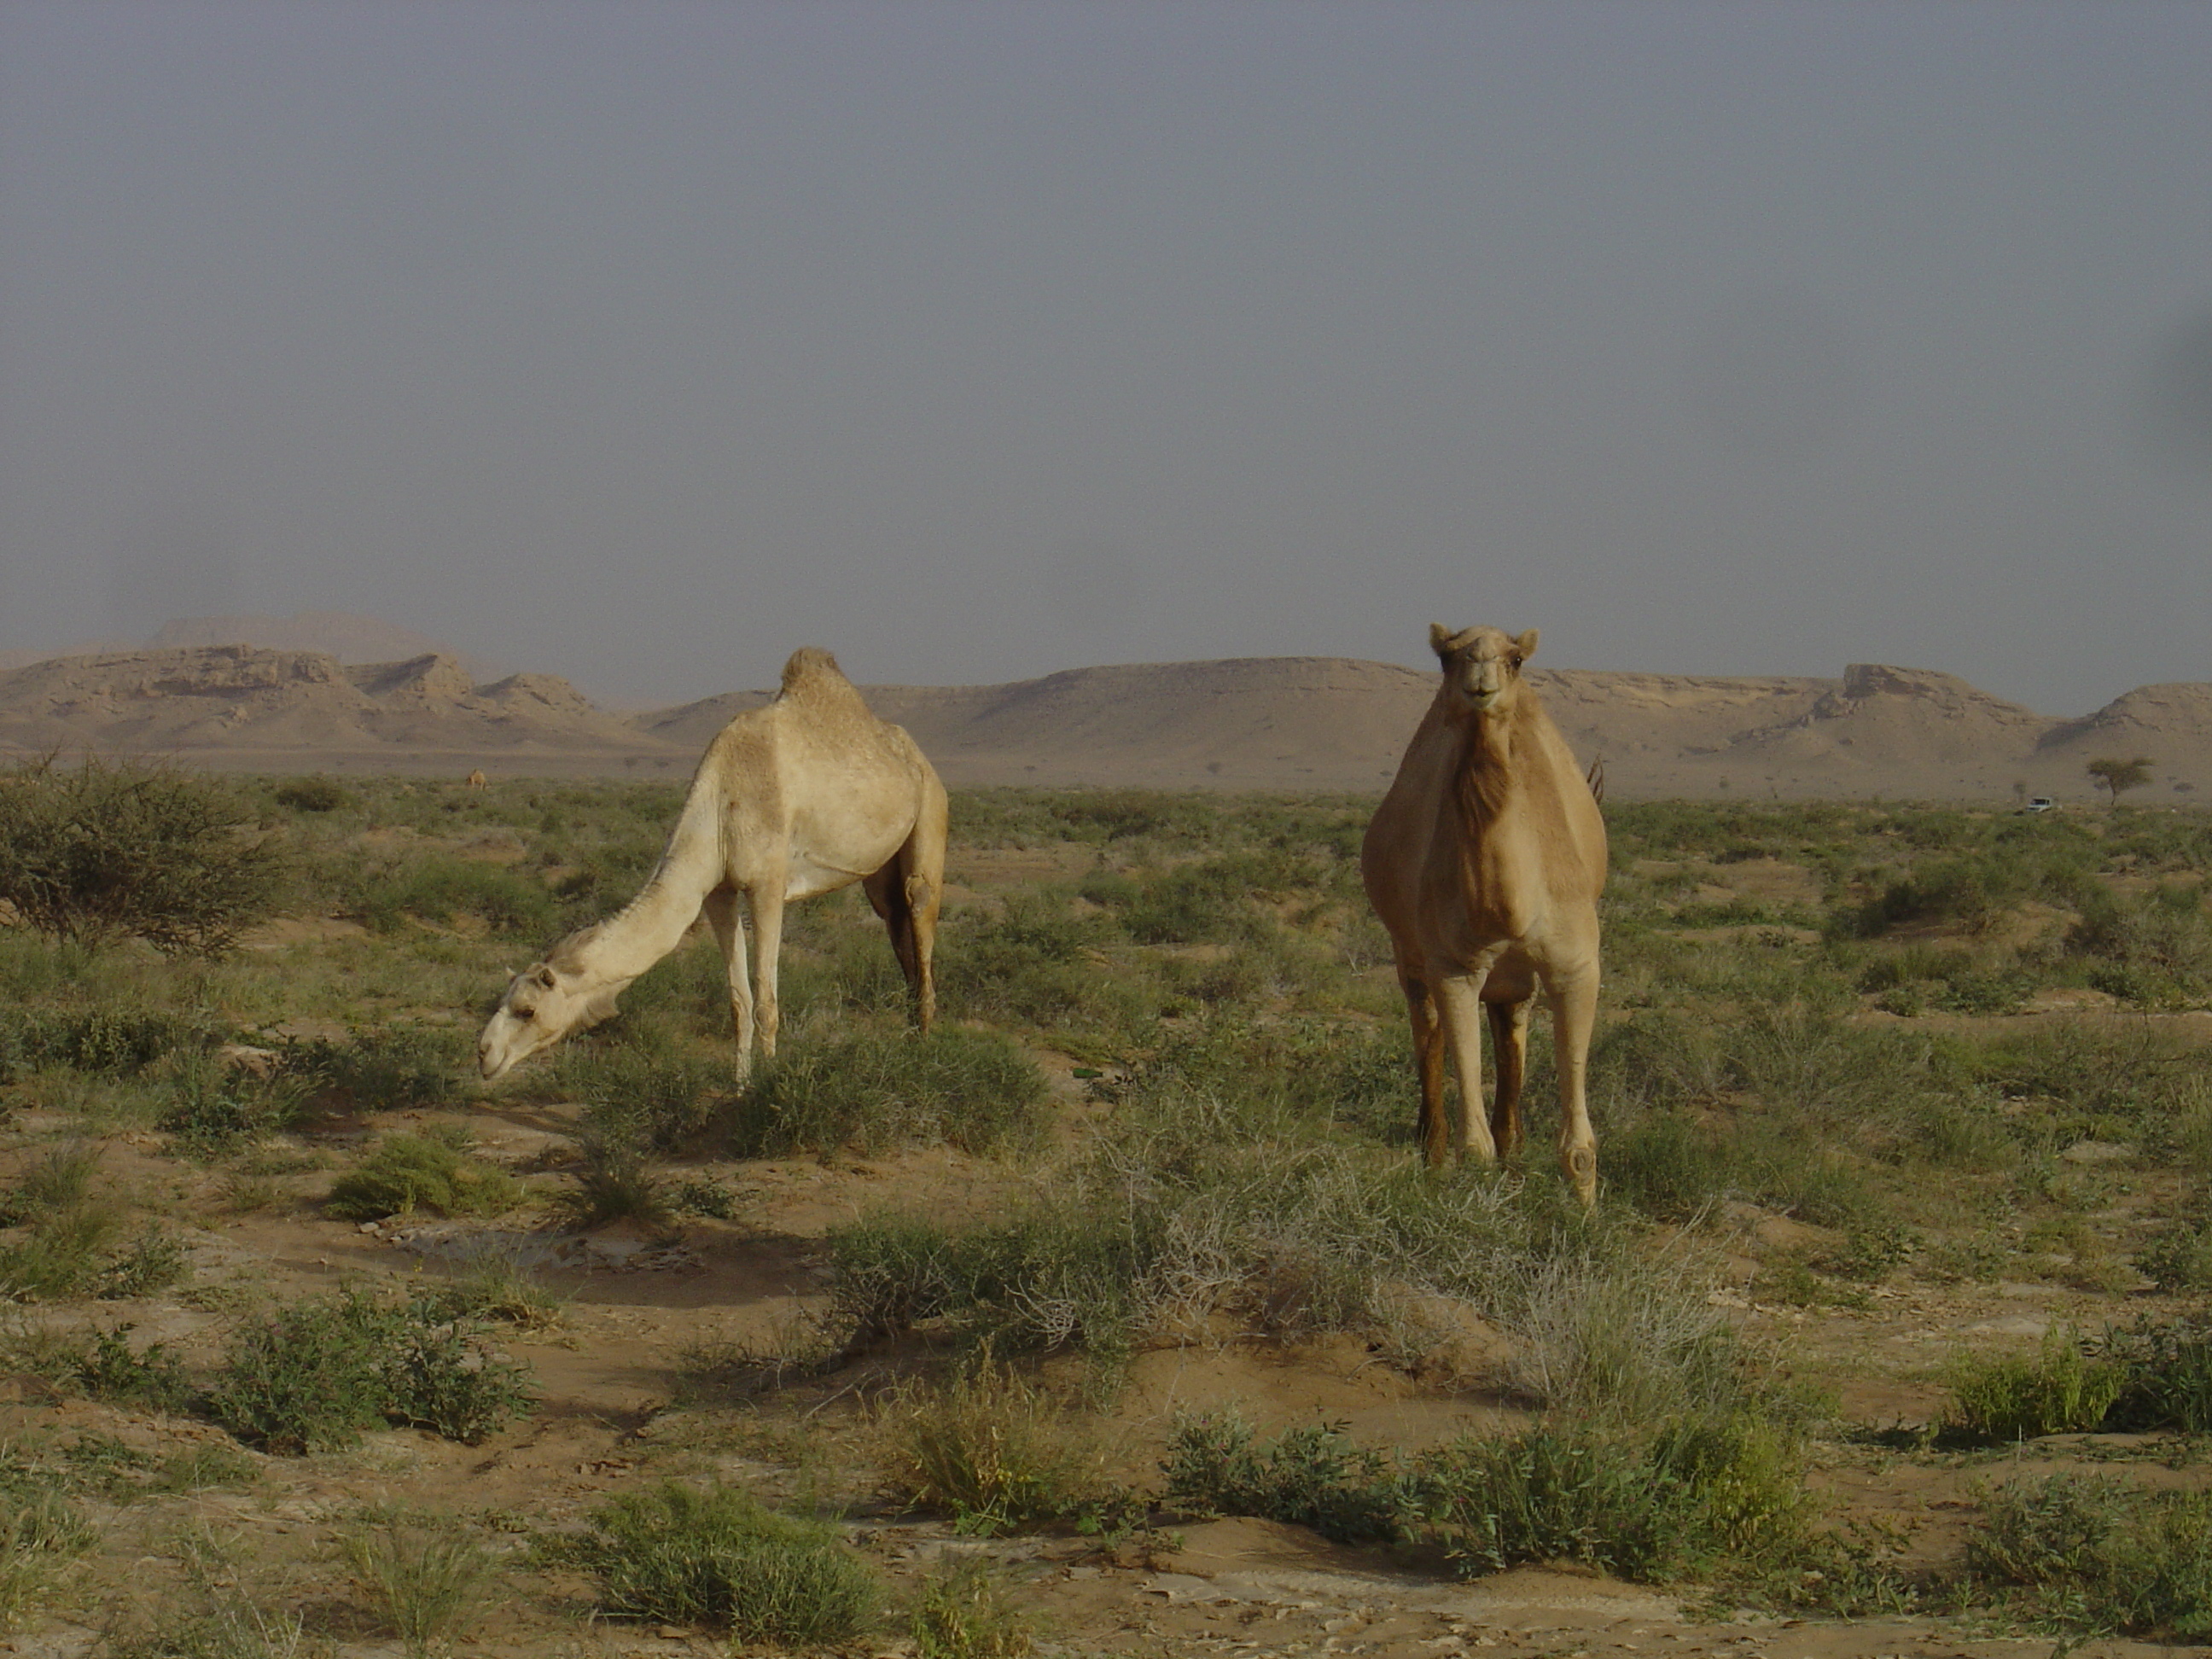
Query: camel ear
1440,639
543,973
1526,645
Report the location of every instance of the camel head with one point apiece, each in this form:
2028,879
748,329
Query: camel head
541,1005
1482,666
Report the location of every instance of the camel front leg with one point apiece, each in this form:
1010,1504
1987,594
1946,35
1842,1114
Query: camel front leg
1458,1000
1574,1016
1509,1037
768,946
1429,1066
722,913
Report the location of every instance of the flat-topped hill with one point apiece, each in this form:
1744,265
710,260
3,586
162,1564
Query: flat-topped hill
1327,723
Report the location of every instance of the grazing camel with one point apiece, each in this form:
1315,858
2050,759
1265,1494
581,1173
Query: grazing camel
476,779
804,795
1484,861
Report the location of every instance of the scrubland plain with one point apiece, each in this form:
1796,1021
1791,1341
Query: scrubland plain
1117,1316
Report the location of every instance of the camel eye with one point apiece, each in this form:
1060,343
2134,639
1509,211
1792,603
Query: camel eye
1517,665
525,1013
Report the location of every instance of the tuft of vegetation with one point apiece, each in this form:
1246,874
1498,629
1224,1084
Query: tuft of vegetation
427,1579
312,795
965,1613
718,1556
2056,1389
873,1090
992,1448
113,849
406,1172
2088,1552
313,1377
41,1533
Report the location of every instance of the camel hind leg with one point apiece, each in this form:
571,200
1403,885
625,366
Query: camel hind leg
722,913
922,873
1509,1039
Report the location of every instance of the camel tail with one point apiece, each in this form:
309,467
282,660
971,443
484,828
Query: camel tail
1596,778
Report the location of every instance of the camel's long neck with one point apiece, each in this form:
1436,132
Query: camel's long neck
626,943
1485,780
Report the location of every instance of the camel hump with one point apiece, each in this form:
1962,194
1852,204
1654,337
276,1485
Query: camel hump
811,664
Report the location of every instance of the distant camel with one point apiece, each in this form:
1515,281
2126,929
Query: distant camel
476,779
1485,862
804,795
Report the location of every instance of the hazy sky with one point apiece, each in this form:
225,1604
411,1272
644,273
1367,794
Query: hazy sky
642,342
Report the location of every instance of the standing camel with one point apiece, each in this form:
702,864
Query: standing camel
806,794
1485,862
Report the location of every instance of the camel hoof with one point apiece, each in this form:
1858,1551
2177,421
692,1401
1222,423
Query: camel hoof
1580,1165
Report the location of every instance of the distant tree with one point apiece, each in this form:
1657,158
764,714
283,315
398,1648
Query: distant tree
106,850
2120,775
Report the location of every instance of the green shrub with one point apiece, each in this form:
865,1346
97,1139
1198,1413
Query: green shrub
873,1090
313,1377
381,1070
2168,1369
107,1042
446,889
718,1558
2057,1390
2094,1555
213,1109
312,795
1551,1493
965,1613
651,1098
409,1172
1313,1476
991,1447
109,1368
110,849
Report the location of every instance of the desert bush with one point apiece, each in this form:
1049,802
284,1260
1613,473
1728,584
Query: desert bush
109,1368
495,1286
405,1173
652,1096
113,849
381,1070
444,890
2166,1368
2093,1554
107,1040
990,1447
964,1612
313,1377
1645,1502
312,795
427,1579
718,1556
2057,1390
617,1182
214,1108
875,1089
1312,1476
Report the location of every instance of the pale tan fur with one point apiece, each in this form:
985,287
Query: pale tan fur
476,779
804,795
1485,862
